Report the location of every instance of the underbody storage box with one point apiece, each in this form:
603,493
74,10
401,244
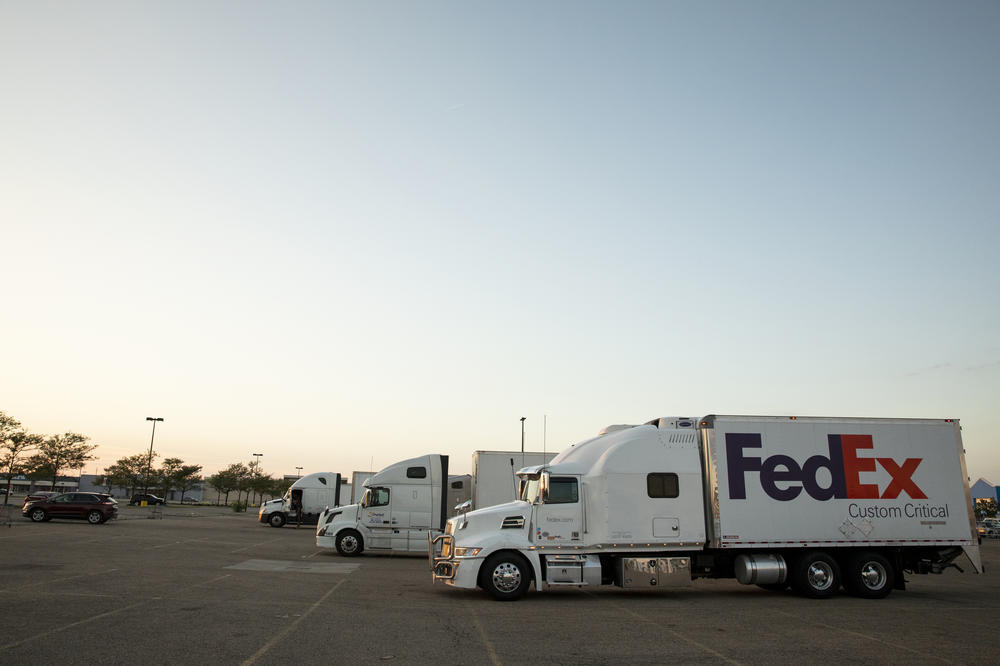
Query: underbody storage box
653,572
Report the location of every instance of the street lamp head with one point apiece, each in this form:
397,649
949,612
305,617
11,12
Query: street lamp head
153,418
522,418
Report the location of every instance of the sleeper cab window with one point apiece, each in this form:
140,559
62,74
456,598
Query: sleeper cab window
456,485
561,490
416,472
662,485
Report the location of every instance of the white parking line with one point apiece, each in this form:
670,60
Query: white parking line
296,566
240,550
858,634
663,627
94,618
287,630
57,580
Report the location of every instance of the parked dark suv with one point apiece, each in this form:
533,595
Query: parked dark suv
148,499
95,508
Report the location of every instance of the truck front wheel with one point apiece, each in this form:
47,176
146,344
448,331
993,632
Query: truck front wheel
506,576
276,519
816,575
350,543
869,575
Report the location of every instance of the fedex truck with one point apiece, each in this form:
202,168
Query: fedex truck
405,502
311,494
807,502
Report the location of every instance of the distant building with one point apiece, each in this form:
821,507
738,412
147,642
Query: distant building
22,485
87,484
984,490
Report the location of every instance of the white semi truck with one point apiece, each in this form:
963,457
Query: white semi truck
407,501
401,504
313,493
807,502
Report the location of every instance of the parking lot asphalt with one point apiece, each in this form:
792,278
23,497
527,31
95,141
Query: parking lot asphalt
199,585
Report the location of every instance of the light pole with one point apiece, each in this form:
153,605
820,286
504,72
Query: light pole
257,465
522,433
149,463
299,469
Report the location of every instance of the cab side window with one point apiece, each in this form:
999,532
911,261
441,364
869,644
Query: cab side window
662,485
561,490
378,497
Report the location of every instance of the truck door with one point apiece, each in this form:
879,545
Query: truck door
559,516
376,515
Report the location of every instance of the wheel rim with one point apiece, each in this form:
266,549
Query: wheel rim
348,544
873,575
94,517
820,576
37,514
506,577
276,520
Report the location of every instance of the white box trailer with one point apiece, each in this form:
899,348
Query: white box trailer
495,474
312,494
358,485
775,501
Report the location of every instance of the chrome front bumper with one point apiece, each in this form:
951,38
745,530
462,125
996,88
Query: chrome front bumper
441,555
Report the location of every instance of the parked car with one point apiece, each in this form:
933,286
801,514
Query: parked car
92,507
37,495
147,498
990,527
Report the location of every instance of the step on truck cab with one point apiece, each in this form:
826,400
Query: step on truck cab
400,506
807,502
304,500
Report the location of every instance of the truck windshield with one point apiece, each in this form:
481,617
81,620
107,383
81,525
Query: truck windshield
529,489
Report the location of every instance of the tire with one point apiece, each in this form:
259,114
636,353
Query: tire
94,517
816,575
276,520
506,576
37,515
350,543
869,576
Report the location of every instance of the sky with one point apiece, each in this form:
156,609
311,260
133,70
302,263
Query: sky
343,234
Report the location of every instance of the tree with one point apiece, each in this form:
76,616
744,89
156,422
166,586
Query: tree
188,478
15,444
165,475
280,487
176,475
986,508
126,473
59,452
228,480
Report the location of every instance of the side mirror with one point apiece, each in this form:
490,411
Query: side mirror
464,506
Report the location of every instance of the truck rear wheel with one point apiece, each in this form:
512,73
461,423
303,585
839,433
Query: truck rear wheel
816,575
869,576
276,519
506,576
349,543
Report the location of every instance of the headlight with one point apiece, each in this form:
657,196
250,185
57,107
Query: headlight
462,551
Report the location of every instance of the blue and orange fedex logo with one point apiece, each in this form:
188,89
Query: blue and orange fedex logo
845,465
